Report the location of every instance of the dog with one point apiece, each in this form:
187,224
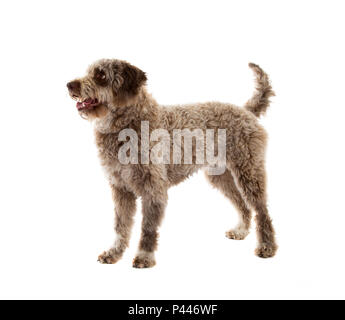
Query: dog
113,95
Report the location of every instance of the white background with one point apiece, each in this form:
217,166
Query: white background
56,212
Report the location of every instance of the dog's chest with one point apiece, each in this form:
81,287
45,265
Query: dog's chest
108,147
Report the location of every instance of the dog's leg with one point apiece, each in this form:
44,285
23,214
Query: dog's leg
225,183
153,207
251,179
247,166
124,211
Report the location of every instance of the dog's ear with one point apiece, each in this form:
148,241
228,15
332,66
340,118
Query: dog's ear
117,79
132,79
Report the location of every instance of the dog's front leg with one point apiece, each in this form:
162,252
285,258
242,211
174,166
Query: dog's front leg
124,211
153,207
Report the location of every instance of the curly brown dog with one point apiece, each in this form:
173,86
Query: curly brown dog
113,95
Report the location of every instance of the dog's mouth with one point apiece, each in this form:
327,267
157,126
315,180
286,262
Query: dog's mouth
87,104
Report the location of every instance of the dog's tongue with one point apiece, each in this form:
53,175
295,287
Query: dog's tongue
84,104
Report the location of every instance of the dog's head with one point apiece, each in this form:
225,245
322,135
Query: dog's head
108,84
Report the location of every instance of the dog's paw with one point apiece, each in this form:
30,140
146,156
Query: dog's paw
265,250
144,260
109,257
237,234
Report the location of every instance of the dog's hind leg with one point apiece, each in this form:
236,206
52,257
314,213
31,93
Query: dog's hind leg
125,206
225,183
248,170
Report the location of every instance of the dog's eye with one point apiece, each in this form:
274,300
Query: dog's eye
100,77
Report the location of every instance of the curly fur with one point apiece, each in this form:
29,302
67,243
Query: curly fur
123,103
259,103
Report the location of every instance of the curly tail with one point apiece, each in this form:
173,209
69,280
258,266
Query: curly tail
259,102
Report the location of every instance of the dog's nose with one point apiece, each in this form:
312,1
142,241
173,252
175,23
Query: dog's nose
73,86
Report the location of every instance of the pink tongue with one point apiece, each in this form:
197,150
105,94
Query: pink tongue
85,103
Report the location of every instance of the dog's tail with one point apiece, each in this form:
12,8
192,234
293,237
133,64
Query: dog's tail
260,101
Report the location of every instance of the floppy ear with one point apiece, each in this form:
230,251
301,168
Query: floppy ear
133,79
118,80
